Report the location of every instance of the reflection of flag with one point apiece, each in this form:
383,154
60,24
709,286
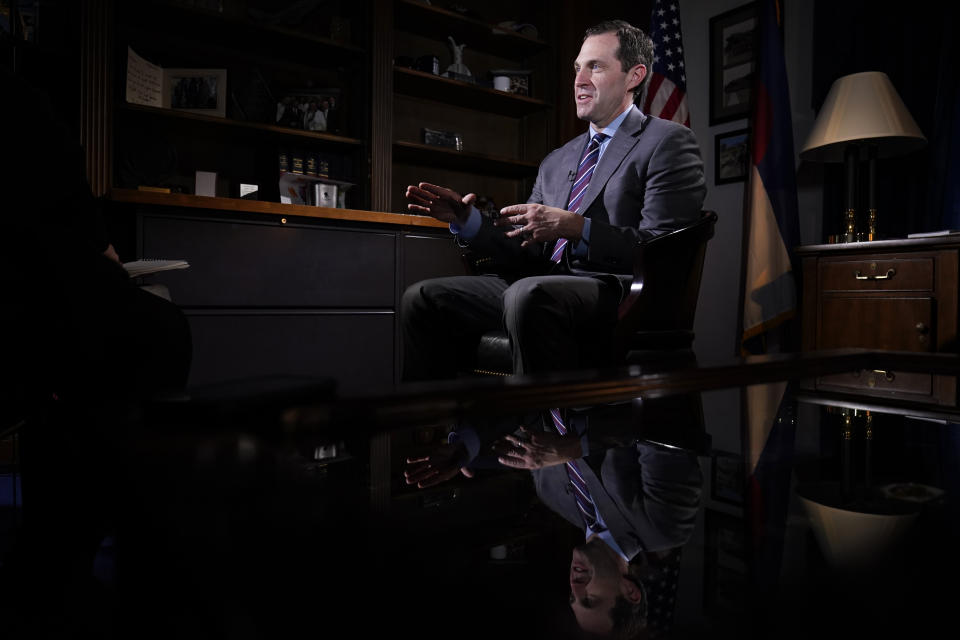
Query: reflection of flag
771,206
769,296
768,444
666,92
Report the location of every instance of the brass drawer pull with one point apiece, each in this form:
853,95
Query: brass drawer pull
889,375
890,274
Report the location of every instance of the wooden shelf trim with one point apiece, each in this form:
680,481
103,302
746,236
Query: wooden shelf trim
133,196
431,21
416,153
463,94
227,122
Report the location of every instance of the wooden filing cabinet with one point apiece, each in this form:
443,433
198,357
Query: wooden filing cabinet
896,295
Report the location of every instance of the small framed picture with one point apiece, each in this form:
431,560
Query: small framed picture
727,480
733,44
731,156
196,90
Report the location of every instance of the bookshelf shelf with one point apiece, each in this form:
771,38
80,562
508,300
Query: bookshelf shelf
430,155
133,196
463,94
241,124
428,20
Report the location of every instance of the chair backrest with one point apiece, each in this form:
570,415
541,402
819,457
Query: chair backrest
666,284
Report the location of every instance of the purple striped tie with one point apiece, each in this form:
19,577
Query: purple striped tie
580,491
584,171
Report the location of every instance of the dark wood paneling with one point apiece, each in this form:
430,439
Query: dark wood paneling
355,349
239,265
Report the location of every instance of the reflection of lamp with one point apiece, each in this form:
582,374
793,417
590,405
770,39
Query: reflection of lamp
862,116
857,535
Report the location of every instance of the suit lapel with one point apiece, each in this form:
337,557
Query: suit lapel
571,158
620,145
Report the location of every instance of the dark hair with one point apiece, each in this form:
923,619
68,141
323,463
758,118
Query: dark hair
635,47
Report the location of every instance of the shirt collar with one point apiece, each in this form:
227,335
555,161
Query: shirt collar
611,128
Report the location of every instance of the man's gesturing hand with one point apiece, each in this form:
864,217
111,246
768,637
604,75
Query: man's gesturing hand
540,223
439,466
536,450
443,204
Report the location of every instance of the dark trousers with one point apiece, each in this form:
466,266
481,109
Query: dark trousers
554,322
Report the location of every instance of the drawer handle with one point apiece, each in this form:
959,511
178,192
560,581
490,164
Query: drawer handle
890,274
889,375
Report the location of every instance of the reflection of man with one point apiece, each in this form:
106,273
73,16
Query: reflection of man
632,498
630,177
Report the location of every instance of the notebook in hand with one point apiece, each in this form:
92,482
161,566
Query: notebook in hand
139,268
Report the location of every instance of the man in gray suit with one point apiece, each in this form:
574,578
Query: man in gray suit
648,181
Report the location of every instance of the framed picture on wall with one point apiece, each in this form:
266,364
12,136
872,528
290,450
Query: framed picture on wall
733,44
731,156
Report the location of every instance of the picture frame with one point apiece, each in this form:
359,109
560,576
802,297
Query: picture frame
731,152
727,478
196,90
733,46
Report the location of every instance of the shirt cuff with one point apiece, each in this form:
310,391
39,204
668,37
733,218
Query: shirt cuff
469,438
470,228
580,248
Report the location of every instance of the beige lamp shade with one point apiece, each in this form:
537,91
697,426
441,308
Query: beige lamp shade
862,107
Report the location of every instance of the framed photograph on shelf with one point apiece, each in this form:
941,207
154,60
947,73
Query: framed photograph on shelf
733,45
196,90
727,479
731,156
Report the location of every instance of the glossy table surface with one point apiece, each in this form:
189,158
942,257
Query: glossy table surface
285,512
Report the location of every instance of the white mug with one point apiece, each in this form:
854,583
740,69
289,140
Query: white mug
501,83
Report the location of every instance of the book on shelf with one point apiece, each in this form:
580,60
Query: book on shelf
934,234
139,268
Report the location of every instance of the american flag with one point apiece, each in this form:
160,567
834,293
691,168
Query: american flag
666,92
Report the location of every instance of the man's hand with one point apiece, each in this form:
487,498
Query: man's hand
536,450
441,465
441,203
540,223
111,253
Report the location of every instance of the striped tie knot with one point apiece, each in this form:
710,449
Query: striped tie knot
580,183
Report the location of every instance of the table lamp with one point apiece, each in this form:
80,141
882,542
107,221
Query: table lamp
862,117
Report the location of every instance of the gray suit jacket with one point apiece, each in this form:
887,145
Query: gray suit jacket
649,181
647,495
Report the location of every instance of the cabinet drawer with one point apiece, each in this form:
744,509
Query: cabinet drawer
888,274
891,324
357,350
235,264
922,387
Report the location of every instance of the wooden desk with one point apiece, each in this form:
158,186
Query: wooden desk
891,295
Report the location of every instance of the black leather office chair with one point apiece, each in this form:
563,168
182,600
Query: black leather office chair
655,320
